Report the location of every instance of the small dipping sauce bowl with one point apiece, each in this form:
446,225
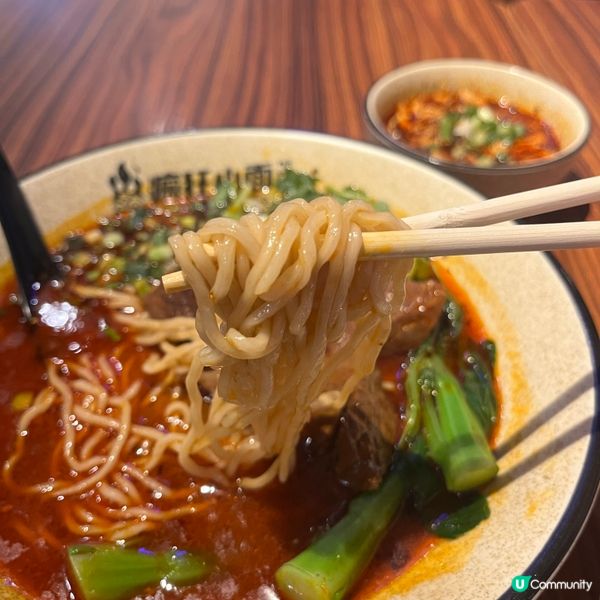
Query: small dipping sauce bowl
513,85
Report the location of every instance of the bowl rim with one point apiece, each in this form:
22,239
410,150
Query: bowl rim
587,489
380,133
568,530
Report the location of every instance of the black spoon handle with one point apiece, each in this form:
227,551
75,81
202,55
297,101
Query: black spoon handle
32,261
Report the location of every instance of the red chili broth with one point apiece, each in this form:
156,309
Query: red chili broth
251,533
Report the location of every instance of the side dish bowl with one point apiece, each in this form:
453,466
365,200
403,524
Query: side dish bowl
554,104
547,444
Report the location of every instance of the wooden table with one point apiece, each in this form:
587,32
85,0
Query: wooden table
80,74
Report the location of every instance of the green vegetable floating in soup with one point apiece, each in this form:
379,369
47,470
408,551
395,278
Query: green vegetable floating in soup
113,573
96,499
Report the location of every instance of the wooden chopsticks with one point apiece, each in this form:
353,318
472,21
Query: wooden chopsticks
479,240
458,231
514,206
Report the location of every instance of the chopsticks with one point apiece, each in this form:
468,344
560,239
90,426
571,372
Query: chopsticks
514,206
32,261
413,243
455,231
479,240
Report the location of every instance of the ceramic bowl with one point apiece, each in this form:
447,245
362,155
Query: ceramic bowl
547,443
555,104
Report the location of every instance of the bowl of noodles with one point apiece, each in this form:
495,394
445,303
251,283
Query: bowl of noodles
498,127
299,422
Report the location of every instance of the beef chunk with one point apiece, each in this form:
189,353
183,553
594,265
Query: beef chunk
365,437
161,305
418,315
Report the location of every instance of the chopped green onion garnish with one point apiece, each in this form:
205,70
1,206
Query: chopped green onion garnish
160,253
112,334
113,239
188,222
142,287
91,276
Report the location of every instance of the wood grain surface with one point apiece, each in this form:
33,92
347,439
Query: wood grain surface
79,74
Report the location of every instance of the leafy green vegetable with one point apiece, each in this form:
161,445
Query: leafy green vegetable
104,572
295,184
472,510
329,567
444,513
477,380
451,321
347,194
426,484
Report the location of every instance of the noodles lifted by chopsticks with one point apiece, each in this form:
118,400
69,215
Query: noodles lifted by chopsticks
289,316
288,319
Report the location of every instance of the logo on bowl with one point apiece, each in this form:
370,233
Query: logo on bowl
129,187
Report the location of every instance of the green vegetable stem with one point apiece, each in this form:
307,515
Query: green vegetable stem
106,572
455,439
328,568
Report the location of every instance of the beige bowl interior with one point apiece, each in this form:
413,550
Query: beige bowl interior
544,352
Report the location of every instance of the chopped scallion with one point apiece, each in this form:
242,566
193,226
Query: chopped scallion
113,239
112,334
160,253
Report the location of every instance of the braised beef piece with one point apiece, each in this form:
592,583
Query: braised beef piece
367,430
161,305
418,315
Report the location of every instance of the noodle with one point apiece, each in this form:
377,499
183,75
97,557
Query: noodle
285,312
97,452
273,297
